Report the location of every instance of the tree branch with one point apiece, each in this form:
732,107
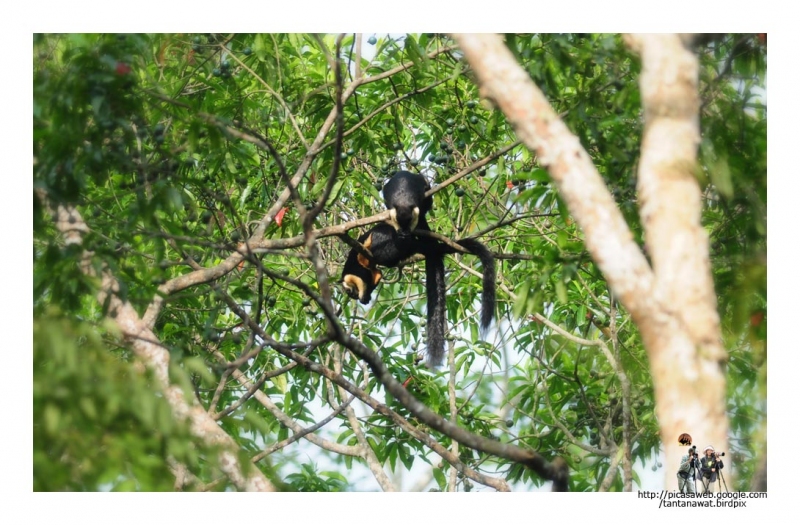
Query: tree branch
147,348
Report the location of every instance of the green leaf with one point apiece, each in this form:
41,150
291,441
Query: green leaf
539,175
52,418
195,365
561,291
438,475
260,47
721,177
521,304
415,53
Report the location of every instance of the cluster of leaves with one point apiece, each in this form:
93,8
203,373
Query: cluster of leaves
151,137
97,421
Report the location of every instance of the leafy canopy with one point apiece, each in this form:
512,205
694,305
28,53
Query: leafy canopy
160,142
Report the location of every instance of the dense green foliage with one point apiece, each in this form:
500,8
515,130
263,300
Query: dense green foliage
144,135
97,423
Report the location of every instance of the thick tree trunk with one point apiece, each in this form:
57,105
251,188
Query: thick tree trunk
673,303
683,340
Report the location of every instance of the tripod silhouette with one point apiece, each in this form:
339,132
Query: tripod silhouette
708,485
689,483
721,481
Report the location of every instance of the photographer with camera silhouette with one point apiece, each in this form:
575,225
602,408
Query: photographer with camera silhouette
686,472
710,466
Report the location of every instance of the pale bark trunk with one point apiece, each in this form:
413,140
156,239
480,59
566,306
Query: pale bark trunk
683,340
673,304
